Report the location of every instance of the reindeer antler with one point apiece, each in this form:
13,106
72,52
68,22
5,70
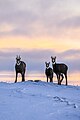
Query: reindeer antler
16,56
55,57
19,57
51,57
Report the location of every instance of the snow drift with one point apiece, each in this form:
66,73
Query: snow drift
39,101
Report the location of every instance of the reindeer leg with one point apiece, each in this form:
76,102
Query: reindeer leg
51,80
52,76
62,78
58,78
66,79
23,78
47,78
16,77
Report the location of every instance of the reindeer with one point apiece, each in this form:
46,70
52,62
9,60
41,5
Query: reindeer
59,69
20,67
49,72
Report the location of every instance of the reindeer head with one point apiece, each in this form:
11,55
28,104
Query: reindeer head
53,59
18,58
47,64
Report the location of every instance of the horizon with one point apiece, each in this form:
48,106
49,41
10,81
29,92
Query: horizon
9,77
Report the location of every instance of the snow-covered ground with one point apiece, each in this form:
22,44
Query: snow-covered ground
39,101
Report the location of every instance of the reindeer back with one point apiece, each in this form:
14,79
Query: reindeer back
60,68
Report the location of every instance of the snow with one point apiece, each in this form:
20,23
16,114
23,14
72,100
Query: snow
39,101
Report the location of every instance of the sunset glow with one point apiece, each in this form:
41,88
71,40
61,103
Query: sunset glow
38,29
39,43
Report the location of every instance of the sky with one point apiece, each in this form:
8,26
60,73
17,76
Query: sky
37,30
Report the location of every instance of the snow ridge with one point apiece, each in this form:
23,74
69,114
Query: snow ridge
39,101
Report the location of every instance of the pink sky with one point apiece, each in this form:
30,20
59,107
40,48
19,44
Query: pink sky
38,29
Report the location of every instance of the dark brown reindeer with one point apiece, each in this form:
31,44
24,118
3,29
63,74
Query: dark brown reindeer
49,72
59,69
20,67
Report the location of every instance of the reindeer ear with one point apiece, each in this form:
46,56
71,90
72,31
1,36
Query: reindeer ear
55,57
45,62
49,62
51,57
19,57
16,56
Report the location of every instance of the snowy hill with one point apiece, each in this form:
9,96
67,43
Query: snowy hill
39,101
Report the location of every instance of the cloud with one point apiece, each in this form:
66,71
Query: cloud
37,17
72,22
35,59
72,59
71,54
